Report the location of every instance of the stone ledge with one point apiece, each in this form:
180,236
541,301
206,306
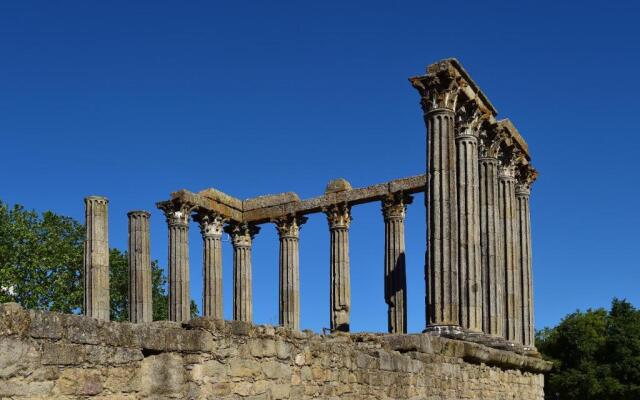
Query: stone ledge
200,335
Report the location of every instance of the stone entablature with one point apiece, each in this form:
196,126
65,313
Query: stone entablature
59,356
264,209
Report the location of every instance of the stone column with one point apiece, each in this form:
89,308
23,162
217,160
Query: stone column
439,92
178,215
96,258
469,264
289,267
140,302
211,225
526,175
491,245
242,235
509,223
394,209
339,218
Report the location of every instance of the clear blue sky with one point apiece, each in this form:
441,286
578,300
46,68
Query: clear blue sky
134,100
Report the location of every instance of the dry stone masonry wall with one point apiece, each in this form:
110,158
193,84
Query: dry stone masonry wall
46,355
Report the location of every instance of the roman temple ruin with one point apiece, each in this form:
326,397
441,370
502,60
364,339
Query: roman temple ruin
478,341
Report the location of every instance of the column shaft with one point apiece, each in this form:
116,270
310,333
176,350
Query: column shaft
179,299
491,248
212,277
96,258
339,217
178,215
469,266
242,288
289,270
524,224
140,302
242,239
509,222
443,304
395,277
211,225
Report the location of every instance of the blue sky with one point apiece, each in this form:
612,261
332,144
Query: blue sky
134,100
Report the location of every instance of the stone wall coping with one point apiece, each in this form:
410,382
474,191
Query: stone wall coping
200,335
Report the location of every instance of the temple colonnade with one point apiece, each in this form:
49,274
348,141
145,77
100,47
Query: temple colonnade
478,265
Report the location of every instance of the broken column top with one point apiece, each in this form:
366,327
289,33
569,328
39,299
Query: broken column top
95,197
139,212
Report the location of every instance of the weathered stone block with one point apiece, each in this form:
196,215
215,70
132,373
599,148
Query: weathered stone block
14,320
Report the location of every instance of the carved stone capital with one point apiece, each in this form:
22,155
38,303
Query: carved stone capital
338,216
177,213
508,160
469,118
211,223
491,138
394,206
289,226
525,176
439,88
242,234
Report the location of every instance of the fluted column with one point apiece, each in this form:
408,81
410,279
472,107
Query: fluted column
525,177
288,228
510,251
140,302
211,225
439,92
469,264
242,238
394,209
339,218
491,236
96,258
178,215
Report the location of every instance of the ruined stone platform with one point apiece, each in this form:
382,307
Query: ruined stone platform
48,355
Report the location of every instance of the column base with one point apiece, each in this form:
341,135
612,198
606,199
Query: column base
452,331
532,351
496,342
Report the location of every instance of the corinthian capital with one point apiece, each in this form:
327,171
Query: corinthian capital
241,233
439,88
338,216
525,176
491,138
508,160
289,226
469,118
176,212
394,206
211,223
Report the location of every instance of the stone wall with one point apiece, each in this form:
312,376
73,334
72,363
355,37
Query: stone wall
50,355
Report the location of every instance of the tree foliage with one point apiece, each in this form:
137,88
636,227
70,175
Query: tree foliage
596,354
41,264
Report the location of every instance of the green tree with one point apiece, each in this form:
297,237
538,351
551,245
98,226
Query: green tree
41,258
596,354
